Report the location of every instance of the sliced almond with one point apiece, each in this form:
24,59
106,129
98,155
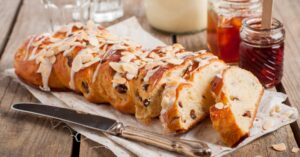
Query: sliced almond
154,55
127,57
130,76
116,66
118,79
219,106
130,68
93,40
185,54
279,147
175,61
268,124
77,63
86,57
295,150
166,48
178,46
118,47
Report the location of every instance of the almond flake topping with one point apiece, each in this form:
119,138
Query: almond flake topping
279,147
117,67
118,79
93,40
185,54
175,61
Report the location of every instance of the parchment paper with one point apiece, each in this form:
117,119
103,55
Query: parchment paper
203,131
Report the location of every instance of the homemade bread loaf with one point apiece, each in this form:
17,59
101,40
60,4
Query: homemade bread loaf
168,81
238,93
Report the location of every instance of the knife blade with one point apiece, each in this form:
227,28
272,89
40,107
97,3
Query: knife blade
67,115
113,127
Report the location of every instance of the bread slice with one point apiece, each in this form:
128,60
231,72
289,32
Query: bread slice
149,88
192,98
238,93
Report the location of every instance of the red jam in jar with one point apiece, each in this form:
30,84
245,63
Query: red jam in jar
224,23
262,50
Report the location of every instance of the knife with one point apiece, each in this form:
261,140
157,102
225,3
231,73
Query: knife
112,127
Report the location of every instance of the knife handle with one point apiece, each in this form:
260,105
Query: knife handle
186,147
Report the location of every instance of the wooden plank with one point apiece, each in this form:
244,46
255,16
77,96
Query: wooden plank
25,135
288,12
198,41
90,148
22,134
30,21
8,13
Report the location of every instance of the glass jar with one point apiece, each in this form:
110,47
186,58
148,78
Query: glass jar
177,16
224,22
262,50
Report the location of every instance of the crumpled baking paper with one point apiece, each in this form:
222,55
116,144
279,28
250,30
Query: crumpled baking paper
272,113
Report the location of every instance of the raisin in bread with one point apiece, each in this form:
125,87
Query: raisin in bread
187,102
238,93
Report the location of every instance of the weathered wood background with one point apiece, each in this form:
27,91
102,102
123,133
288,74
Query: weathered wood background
24,135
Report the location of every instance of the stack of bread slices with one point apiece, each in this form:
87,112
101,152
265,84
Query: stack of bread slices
178,86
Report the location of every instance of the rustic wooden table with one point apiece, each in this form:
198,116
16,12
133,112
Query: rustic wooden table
24,135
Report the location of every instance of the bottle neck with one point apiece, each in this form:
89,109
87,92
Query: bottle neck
252,32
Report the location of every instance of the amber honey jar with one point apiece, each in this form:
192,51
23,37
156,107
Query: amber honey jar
262,50
224,23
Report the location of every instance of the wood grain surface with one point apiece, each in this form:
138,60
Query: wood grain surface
8,13
23,135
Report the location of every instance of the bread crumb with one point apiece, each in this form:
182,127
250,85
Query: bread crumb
295,150
279,147
268,124
219,106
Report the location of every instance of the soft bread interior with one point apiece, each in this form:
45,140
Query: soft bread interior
153,109
192,99
242,90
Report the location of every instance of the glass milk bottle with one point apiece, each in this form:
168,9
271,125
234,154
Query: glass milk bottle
177,16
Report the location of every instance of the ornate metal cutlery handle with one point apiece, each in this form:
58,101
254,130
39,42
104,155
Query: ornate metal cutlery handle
186,147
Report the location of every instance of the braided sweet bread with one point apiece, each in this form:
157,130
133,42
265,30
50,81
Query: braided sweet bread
169,81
